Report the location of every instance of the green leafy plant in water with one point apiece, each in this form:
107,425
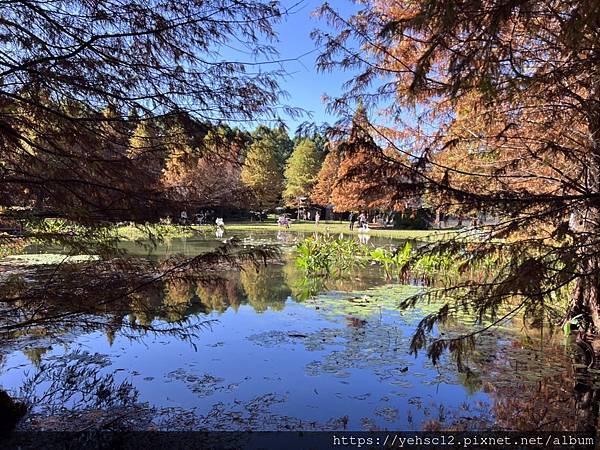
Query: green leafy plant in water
430,264
392,261
336,257
324,257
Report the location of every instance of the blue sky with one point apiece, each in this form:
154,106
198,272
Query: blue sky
305,85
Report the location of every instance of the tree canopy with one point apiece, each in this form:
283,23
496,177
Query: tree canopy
495,107
326,179
301,171
262,171
138,60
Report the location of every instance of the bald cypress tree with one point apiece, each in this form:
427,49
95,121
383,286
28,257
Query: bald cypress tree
493,106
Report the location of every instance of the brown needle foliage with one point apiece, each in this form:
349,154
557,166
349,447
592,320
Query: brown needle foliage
496,105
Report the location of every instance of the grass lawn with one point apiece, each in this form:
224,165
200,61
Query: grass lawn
331,226
132,232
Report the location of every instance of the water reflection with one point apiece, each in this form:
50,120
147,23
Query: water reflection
279,356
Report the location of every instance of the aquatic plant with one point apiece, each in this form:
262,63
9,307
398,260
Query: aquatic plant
392,261
453,277
325,256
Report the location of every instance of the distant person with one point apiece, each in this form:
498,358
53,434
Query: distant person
220,227
362,220
283,222
317,218
352,220
183,217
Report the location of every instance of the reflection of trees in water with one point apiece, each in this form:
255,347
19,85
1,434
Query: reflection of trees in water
531,384
99,294
34,355
220,294
125,301
75,380
261,287
557,402
145,305
301,287
587,405
73,385
265,286
177,300
546,404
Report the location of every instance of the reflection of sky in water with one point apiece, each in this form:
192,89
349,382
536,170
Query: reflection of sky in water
229,367
323,359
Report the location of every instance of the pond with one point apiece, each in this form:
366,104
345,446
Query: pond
269,356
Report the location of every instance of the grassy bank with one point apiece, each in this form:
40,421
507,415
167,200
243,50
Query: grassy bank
333,227
132,232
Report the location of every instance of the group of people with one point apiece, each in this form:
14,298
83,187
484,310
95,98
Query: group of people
284,221
201,218
362,221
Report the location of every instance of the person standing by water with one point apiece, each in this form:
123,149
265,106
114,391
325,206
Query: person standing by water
220,227
362,220
352,220
317,217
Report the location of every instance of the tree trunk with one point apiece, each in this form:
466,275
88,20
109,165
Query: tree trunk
585,223
586,407
585,299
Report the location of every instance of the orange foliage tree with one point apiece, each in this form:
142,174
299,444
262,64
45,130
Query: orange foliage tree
326,179
365,172
208,175
497,108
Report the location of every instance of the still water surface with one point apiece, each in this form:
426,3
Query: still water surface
267,358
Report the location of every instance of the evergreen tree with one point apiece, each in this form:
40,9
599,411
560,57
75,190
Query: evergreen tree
148,152
364,172
143,141
262,172
503,103
279,140
181,159
301,171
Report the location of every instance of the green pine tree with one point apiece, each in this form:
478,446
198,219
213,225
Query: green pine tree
262,174
301,171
